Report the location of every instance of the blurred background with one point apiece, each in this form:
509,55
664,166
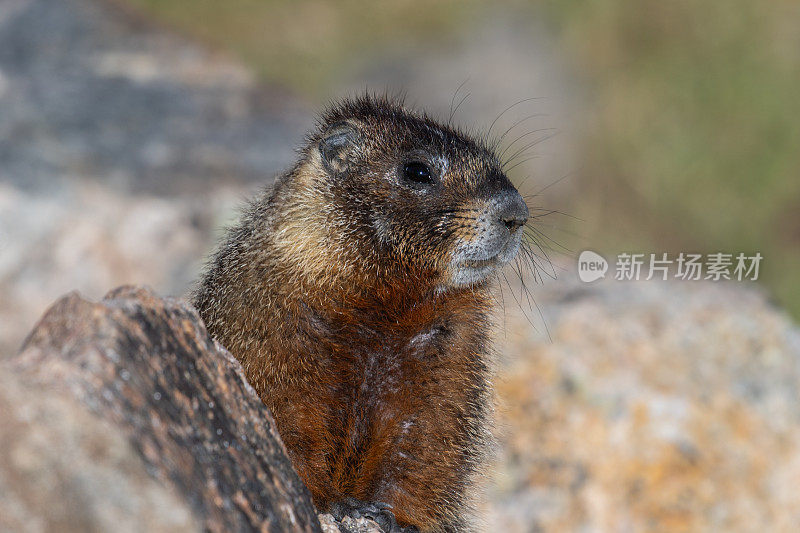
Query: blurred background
130,130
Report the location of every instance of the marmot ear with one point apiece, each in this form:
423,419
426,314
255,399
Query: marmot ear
337,142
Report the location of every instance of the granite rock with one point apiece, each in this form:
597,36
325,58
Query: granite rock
141,420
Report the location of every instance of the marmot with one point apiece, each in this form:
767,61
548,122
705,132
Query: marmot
356,294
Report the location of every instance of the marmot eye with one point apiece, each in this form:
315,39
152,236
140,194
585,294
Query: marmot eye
418,173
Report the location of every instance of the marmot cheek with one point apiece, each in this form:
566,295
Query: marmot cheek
382,228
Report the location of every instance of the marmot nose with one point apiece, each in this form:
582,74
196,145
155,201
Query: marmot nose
512,211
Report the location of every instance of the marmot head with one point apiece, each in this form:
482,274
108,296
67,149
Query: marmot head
393,190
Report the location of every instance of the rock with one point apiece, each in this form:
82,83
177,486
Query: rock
125,415
87,90
92,240
348,525
64,469
658,406
117,141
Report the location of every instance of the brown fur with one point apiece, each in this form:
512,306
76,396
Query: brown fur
333,293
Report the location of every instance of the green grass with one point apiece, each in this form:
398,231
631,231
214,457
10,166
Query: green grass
303,44
695,141
694,127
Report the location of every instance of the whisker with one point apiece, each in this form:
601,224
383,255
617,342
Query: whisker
559,180
454,111
453,99
553,212
517,123
509,108
538,233
532,256
518,163
515,141
562,230
528,146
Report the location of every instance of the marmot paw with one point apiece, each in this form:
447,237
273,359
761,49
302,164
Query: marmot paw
380,513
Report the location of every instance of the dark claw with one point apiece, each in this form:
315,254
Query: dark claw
379,512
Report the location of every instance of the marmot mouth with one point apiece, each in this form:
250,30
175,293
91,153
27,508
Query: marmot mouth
468,270
499,259
480,263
